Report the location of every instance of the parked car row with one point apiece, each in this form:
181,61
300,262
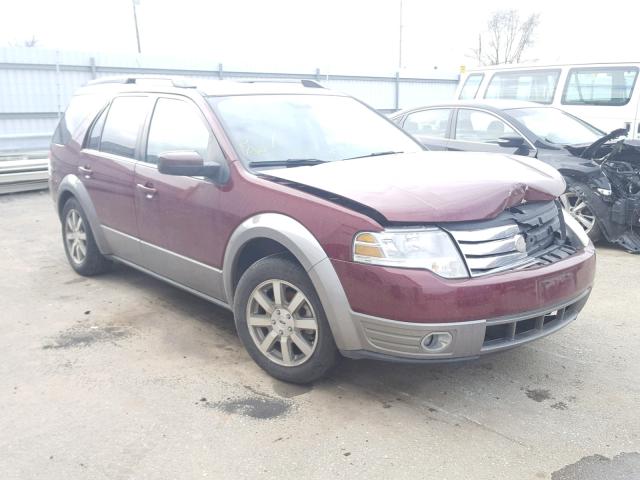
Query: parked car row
602,173
602,94
322,225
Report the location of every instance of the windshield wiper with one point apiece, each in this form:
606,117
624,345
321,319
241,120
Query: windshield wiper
291,162
374,154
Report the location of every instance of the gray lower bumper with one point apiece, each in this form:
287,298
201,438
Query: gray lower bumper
385,339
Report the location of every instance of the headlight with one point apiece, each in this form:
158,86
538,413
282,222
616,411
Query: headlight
428,248
575,228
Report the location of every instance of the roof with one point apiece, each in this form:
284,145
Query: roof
486,104
166,84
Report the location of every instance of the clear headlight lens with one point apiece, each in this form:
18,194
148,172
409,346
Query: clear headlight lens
427,248
575,227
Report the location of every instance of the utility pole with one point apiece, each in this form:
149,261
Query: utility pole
400,39
135,21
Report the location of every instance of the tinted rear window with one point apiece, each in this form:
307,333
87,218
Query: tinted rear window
531,86
600,86
124,121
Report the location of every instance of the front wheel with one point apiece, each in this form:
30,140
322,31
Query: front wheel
574,201
281,322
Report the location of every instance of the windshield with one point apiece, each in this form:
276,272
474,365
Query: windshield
556,126
272,128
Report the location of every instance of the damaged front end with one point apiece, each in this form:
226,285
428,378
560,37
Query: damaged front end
620,164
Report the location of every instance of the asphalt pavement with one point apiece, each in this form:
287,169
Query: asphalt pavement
124,377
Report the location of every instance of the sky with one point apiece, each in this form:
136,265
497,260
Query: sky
342,36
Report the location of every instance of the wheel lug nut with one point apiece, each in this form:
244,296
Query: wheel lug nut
290,329
277,312
273,322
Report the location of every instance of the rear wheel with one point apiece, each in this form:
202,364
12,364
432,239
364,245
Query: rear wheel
575,201
79,244
281,322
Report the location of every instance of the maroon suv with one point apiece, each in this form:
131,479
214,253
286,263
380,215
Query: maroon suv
324,227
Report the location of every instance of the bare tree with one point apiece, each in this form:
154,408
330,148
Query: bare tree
29,43
506,39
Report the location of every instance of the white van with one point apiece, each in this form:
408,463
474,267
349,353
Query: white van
602,94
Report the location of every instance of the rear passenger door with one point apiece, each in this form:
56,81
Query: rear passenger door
106,168
480,131
178,215
430,127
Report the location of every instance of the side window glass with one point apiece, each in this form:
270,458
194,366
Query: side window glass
600,86
428,123
532,86
480,127
96,131
124,120
179,125
80,113
471,86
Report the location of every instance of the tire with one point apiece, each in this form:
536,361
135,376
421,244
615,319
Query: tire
292,350
576,201
79,243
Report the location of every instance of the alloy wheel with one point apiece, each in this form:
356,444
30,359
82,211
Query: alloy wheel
75,236
579,209
282,323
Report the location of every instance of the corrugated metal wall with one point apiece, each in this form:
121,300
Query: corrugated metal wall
36,85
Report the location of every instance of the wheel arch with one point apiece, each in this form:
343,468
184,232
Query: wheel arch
72,187
274,233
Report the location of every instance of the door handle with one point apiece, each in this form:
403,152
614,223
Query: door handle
149,192
85,171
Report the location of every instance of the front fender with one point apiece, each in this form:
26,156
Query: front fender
72,186
296,238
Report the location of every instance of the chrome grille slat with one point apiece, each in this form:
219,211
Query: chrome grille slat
485,234
494,261
504,245
490,246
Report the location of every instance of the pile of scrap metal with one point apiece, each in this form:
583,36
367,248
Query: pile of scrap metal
618,209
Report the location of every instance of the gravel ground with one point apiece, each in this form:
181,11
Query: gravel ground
121,376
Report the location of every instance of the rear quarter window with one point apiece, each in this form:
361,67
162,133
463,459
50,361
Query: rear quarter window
75,121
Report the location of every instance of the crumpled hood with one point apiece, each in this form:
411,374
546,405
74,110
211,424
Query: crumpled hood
431,186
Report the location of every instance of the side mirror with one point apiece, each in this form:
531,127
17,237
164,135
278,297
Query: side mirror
511,141
186,163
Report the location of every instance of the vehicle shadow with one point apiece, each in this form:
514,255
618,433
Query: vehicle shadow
435,383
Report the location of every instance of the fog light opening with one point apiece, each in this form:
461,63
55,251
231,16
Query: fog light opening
437,341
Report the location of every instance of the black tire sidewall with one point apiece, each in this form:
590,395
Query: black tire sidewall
282,267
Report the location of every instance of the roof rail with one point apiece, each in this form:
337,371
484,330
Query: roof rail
305,82
172,81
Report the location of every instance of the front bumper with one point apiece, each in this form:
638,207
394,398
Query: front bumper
394,313
391,340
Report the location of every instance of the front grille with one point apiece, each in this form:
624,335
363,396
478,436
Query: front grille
520,237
